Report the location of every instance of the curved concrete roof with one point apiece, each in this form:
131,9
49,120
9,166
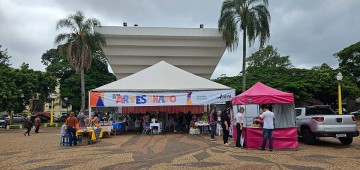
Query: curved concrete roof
131,49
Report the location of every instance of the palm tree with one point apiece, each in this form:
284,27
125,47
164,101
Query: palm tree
249,16
80,44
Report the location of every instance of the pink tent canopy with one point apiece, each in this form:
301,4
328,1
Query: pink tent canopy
262,94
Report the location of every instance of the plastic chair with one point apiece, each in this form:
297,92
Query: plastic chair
97,134
65,140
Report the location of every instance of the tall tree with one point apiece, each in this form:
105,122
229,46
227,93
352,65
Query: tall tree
80,44
268,57
18,86
97,75
349,60
310,86
4,58
249,16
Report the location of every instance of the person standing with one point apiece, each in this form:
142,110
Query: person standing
37,123
27,125
268,127
71,122
180,121
81,119
110,116
140,121
212,123
239,125
175,120
96,120
188,118
225,124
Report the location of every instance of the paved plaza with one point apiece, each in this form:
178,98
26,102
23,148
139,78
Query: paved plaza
130,150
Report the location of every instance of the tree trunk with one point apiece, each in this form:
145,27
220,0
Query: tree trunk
244,62
82,75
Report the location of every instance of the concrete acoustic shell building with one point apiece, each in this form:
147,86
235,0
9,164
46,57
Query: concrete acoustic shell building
132,49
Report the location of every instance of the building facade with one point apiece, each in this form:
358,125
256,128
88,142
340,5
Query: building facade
131,49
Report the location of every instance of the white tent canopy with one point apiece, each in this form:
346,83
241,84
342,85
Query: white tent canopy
160,85
162,77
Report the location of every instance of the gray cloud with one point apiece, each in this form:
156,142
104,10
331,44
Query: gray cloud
310,32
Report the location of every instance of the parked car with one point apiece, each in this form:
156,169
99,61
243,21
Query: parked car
43,118
355,113
2,120
61,118
16,118
322,121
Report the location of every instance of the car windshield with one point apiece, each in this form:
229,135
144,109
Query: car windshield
320,111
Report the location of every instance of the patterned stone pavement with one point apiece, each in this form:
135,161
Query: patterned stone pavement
165,151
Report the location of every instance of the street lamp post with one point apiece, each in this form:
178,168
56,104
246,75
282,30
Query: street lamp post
339,77
53,97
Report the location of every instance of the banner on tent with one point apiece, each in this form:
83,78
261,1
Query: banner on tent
115,99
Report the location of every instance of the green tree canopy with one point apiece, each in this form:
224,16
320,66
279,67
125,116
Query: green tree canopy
18,86
349,60
268,57
57,65
310,86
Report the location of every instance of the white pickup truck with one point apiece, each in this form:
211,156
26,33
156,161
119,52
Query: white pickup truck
322,121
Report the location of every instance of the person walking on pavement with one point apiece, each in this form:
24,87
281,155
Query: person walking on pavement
268,128
212,123
225,122
239,124
37,123
27,125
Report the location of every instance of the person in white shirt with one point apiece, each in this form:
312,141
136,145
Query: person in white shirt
268,128
63,130
239,124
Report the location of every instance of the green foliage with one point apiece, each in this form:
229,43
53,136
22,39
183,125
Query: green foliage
4,58
349,61
70,85
317,85
268,57
18,86
251,17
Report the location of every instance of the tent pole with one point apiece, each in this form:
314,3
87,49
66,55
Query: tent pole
89,105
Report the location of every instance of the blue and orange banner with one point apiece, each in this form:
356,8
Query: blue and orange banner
115,99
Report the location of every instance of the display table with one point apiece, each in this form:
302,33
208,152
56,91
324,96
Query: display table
90,132
119,126
107,129
203,126
283,138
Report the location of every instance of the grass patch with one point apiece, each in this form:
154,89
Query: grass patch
14,126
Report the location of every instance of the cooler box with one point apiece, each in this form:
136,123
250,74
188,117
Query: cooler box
118,126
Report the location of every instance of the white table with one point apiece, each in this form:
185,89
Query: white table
203,126
158,125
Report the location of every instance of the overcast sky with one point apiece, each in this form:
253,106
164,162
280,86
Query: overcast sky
309,31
